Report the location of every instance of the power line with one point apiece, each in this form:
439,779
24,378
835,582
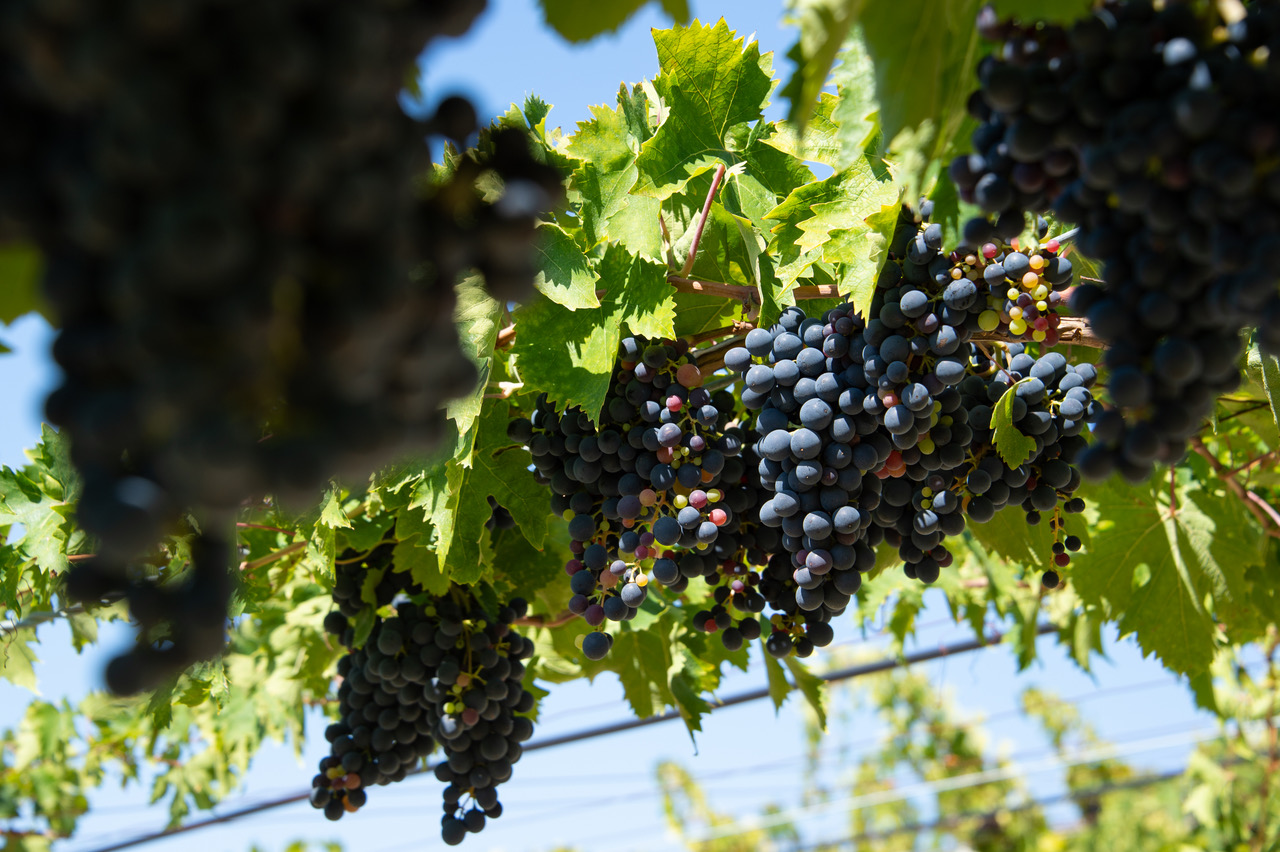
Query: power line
1095,754
953,820
1150,740
846,673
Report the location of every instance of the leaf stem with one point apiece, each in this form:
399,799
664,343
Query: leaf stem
702,220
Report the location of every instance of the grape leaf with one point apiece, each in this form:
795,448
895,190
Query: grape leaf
1013,446
415,556
856,112
607,168
45,518
331,514
1017,543
824,25
476,315
570,354
18,659
500,469
779,686
938,58
811,686
581,20
818,142
564,275
607,149
1267,367
526,570
831,221
771,168
709,82
455,496
1163,574
687,692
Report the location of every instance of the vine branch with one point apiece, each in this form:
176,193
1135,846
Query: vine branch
544,621
1263,511
1071,330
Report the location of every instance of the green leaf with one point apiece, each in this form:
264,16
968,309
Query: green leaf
773,171
824,25
526,570
21,267
25,500
1268,366
938,57
477,316
779,686
455,495
689,701
811,687
836,220
18,659
331,513
607,147
581,20
819,142
709,82
1013,446
1164,575
415,556
1017,543
856,112
569,355
564,275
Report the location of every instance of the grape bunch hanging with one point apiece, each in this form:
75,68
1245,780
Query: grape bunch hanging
843,434
254,280
1152,126
439,670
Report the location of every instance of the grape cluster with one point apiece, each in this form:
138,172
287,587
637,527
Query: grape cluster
1152,127
1052,403
845,434
254,281
641,484
819,449
439,670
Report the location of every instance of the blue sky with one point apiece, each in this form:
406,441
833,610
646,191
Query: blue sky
596,795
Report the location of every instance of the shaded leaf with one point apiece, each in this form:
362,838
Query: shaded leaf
824,26
1162,574
581,20
564,275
